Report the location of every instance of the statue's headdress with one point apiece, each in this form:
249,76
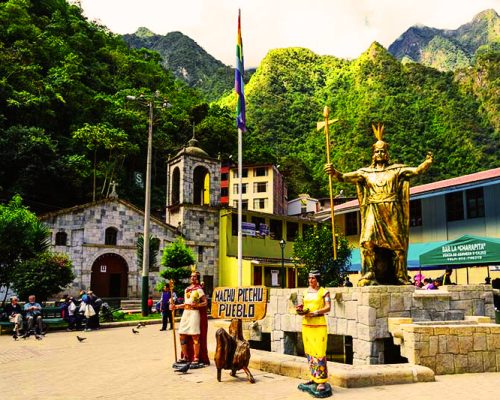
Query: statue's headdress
378,131
194,271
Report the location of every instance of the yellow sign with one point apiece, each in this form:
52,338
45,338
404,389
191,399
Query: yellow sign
246,302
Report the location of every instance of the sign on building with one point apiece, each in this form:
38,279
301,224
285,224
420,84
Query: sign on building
248,228
246,302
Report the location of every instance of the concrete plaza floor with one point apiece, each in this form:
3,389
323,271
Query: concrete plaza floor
118,364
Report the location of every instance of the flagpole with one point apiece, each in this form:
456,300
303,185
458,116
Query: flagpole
240,207
241,123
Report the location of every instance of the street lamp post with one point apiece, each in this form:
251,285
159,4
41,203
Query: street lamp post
283,278
150,103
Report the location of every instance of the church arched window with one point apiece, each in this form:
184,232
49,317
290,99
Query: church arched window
201,186
176,186
110,236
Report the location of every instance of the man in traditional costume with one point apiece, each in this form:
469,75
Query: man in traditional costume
190,327
384,197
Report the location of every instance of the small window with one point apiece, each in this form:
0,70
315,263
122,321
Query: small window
224,192
260,187
244,204
110,236
243,188
200,253
260,171
475,203
351,223
260,225
276,229
259,204
234,224
454,206
416,213
224,176
292,231
61,238
244,173
257,275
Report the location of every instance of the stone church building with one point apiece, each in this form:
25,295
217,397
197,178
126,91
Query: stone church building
101,237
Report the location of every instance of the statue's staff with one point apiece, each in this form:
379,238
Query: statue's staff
172,302
320,125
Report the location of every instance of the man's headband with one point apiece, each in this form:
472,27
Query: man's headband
314,274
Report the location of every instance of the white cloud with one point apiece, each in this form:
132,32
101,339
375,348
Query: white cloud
341,28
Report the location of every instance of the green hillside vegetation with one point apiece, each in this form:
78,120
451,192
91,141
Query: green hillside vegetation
187,60
422,110
63,83
64,118
448,50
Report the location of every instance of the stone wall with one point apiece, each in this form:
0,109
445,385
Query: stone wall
449,347
363,313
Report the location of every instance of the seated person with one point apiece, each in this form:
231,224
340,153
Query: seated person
33,312
435,284
15,314
427,282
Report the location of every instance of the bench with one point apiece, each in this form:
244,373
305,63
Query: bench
50,316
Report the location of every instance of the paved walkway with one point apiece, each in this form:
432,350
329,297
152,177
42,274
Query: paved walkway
117,364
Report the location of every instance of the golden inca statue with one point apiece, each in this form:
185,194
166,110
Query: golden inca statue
383,191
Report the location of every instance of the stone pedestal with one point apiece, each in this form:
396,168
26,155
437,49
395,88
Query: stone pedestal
363,312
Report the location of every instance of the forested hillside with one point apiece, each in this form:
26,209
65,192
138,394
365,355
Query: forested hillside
454,116
187,60
63,114
448,50
64,119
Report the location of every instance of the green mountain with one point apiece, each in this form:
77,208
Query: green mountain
187,60
422,110
448,50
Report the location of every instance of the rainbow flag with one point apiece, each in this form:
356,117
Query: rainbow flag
238,80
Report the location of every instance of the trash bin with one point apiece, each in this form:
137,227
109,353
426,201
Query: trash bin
497,316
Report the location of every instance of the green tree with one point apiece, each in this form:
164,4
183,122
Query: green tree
154,248
43,275
314,251
22,237
105,137
176,259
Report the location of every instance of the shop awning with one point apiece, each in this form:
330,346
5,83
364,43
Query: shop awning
464,251
414,252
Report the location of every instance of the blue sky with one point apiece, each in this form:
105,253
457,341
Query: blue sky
342,28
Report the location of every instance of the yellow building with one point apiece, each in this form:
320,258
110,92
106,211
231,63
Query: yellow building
263,189
267,248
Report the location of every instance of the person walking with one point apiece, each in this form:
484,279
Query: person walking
166,312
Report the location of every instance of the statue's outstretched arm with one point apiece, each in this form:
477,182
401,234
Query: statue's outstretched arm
413,171
426,164
352,177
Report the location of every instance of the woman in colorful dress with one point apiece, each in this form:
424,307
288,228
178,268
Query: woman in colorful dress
316,303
